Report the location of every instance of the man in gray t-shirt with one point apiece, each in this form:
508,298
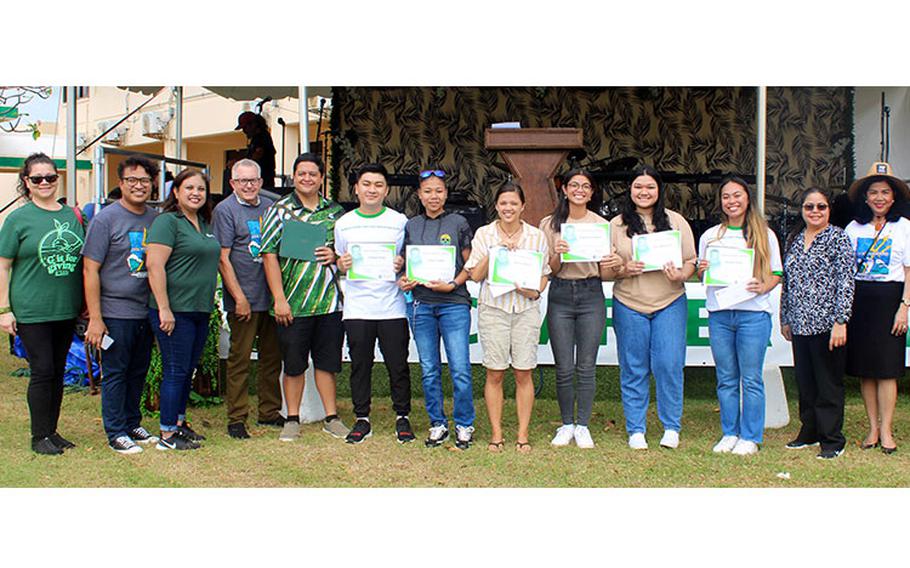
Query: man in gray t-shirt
116,293
237,224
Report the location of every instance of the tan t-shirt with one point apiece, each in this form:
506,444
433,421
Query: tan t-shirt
572,270
650,291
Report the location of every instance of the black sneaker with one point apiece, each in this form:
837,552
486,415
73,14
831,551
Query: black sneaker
360,432
124,445
276,422
189,433
438,434
61,442
45,446
140,435
176,442
238,431
798,444
403,430
830,454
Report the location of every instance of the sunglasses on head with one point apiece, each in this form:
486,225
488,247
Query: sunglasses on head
50,178
427,173
813,206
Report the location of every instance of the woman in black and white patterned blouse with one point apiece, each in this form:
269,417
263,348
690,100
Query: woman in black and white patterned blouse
815,306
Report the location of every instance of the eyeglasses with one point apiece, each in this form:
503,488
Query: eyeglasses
246,181
814,206
576,185
138,181
49,178
427,173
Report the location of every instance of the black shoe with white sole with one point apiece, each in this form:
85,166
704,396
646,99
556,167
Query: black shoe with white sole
798,444
176,442
830,454
188,433
124,445
360,432
403,430
140,435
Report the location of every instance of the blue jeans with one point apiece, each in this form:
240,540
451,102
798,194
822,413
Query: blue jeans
452,322
576,316
739,339
180,353
124,364
651,343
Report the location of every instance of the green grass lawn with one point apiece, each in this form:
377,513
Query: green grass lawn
317,460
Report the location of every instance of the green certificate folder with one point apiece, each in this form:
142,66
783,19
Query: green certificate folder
300,240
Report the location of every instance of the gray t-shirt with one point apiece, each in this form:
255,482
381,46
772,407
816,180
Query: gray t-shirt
447,229
238,226
116,239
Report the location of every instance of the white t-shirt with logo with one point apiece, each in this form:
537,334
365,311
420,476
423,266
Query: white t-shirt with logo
733,237
371,299
890,252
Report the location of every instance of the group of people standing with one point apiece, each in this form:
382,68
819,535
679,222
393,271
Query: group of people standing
147,276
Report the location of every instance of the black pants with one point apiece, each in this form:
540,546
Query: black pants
820,377
393,338
47,345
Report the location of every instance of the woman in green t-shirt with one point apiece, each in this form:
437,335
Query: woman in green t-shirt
41,292
182,265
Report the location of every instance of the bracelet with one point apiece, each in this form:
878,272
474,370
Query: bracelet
6,310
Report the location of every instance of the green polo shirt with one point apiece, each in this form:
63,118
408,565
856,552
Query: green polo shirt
192,268
311,289
46,280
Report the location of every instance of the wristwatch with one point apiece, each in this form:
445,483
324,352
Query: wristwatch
905,302
841,320
453,283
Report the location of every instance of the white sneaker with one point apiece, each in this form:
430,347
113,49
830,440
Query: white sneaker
726,444
745,448
583,437
670,439
637,441
563,436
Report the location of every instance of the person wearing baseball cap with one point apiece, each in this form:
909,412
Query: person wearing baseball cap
877,331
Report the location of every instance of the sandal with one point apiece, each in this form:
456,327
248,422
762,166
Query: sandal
496,446
523,447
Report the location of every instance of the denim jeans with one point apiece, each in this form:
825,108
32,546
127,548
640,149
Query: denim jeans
451,322
739,339
124,364
651,343
180,353
576,315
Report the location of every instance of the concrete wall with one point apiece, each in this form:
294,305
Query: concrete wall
867,122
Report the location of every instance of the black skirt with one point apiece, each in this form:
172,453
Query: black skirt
872,352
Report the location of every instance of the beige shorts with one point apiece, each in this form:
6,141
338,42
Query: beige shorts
508,336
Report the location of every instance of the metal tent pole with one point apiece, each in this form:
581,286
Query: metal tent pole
761,128
178,118
71,146
304,120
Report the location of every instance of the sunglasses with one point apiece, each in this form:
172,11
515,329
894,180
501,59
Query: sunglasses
50,178
427,173
814,206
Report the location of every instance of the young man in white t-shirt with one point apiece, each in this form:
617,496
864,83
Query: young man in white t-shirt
374,308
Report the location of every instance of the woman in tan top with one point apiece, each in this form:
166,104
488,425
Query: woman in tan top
649,311
576,311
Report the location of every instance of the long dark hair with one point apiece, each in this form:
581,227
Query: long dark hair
26,170
800,224
170,204
630,217
561,213
863,213
755,228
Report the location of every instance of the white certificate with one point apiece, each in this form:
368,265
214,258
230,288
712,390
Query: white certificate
728,265
522,268
372,261
588,242
426,263
657,249
732,295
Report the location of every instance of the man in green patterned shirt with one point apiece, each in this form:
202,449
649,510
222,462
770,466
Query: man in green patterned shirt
307,301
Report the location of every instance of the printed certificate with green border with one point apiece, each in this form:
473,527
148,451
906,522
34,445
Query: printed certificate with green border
728,265
372,261
657,249
426,263
522,268
588,242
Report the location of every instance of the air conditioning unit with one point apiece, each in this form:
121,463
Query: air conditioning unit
154,124
116,136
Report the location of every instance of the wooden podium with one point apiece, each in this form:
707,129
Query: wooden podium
533,155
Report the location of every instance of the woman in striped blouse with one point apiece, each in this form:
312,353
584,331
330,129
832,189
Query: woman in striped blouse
508,322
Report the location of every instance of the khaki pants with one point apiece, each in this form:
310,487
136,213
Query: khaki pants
238,367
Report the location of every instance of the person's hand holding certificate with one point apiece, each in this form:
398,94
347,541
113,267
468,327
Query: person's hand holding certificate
429,263
728,265
372,261
655,250
518,268
588,242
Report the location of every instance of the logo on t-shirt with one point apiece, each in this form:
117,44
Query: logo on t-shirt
58,250
255,246
875,262
136,259
445,239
